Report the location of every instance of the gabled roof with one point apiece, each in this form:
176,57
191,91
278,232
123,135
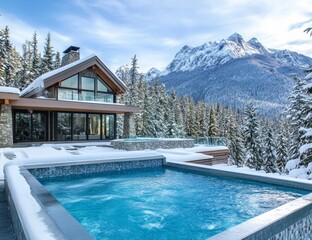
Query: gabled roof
50,78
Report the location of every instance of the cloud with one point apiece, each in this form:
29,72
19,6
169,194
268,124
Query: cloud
20,31
157,30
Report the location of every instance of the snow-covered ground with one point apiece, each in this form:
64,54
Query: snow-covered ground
102,151
87,151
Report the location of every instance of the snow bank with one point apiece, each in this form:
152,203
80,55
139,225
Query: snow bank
28,208
10,90
292,164
305,148
299,173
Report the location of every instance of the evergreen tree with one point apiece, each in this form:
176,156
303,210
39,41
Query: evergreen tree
281,152
295,115
35,61
57,61
213,130
47,63
2,57
269,153
251,132
306,128
235,144
24,73
8,69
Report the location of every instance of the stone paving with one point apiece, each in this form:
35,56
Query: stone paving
6,229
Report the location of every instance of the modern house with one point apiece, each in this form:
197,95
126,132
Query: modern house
74,102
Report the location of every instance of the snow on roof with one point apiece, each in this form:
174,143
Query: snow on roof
10,90
38,82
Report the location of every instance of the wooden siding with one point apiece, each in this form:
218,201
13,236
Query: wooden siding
218,157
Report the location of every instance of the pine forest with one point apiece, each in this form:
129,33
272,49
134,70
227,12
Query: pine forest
271,144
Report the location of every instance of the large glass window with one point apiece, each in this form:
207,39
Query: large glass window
85,89
105,97
22,127
86,96
39,126
87,83
94,126
67,94
79,126
64,126
30,126
71,82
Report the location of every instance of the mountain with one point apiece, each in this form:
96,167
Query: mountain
232,72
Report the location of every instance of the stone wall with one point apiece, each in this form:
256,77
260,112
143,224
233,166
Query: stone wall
301,230
6,126
152,144
129,126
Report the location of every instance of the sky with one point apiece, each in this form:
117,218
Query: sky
155,30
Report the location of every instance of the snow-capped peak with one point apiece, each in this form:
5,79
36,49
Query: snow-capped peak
213,54
237,38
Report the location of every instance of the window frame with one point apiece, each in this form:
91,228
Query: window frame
95,91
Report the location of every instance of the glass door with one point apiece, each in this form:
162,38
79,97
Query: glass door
108,126
94,127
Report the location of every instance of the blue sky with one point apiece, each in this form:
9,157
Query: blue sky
156,29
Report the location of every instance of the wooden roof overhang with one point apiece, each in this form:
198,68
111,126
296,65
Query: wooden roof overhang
70,106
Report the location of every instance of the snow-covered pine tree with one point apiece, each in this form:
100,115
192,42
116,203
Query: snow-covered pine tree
24,73
172,128
281,152
8,69
295,115
269,152
17,66
306,129
235,143
47,63
190,117
2,57
213,130
36,59
148,111
57,60
251,133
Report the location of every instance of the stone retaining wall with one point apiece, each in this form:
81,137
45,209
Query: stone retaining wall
6,126
152,144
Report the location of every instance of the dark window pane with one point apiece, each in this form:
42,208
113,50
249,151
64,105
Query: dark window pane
79,126
63,126
105,97
71,82
87,83
86,96
22,127
102,87
39,127
94,126
67,94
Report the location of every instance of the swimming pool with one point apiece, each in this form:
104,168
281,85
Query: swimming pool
163,203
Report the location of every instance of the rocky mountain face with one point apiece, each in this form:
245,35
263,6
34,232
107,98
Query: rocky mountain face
233,72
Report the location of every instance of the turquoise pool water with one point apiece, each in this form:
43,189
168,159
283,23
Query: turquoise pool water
163,203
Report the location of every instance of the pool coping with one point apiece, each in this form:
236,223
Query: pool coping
268,224
60,223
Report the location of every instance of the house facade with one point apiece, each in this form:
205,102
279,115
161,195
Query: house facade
72,103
